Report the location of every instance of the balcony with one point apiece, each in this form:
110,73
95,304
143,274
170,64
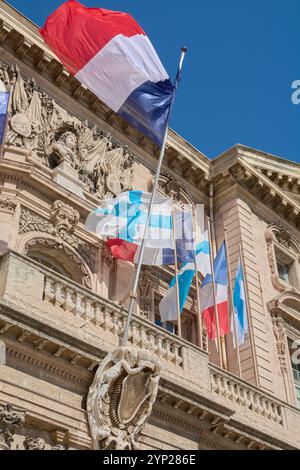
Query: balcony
59,317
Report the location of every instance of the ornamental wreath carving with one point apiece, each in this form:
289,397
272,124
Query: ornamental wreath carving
121,398
39,124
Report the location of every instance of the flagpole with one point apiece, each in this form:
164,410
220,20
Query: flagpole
176,278
248,315
10,91
214,292
199,317
133,294
232,307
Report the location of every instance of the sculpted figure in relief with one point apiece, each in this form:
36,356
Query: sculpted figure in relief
53,135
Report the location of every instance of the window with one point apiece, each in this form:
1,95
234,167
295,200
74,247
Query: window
48,262
296,376
283,271
295,364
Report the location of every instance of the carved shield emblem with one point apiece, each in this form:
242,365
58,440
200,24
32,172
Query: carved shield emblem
135,390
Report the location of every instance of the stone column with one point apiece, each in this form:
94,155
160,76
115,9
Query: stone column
10,421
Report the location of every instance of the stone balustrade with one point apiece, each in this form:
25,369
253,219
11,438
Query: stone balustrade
111,317
231,388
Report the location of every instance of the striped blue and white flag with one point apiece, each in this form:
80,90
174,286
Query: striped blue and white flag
239,307
168,305
4,99
203,256
125,218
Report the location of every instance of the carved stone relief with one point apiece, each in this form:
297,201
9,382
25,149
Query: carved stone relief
169,186
275,234
34,443
7,204
121,398
63,222
10,421
53,136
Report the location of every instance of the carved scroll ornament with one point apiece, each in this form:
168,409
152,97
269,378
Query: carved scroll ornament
121,398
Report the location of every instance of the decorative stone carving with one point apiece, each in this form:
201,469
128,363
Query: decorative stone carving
10,421
121,398
54,136
145,293
64,217
278,234
34,443
64,220
7,204
279,333
169,186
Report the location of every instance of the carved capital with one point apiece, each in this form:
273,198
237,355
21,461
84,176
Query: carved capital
10,421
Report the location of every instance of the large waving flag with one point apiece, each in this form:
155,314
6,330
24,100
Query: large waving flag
126,251
207,298
125,218
4,99
239,306
168,305
111,55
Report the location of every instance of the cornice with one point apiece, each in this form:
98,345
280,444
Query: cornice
257,185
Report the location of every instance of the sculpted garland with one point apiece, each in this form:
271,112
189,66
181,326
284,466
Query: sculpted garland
39,124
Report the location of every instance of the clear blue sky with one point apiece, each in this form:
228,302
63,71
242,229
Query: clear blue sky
243,56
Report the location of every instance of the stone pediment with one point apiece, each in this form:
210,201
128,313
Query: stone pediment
282,173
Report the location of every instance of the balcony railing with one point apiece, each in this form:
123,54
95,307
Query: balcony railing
111,317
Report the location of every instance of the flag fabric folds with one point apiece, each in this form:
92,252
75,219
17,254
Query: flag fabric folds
125,218
203,256
168,305
127,251
239,307
4,99
207,298
110,54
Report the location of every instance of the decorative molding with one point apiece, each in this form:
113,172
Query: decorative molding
121,398
277,235
64,220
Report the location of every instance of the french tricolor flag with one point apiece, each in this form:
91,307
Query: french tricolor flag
110,54
207,298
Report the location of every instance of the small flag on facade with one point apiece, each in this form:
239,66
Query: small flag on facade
168,305
239,307
4,100
207,297
109,53
203,256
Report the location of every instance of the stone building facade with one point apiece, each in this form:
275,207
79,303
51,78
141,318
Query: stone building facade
63,298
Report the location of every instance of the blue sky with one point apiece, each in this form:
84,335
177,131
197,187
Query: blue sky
242,59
